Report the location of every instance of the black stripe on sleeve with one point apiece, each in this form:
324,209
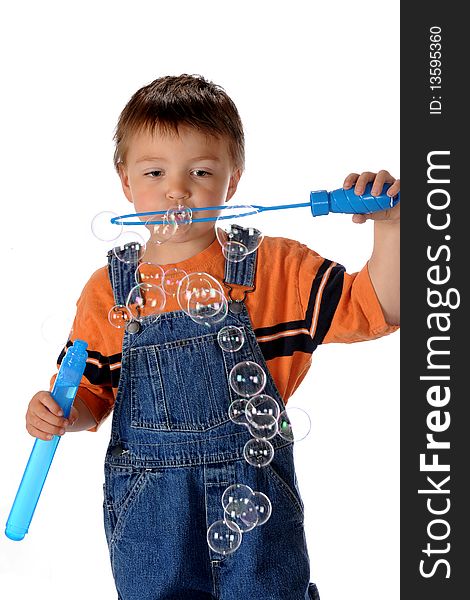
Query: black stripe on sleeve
286,346
329,302
98,375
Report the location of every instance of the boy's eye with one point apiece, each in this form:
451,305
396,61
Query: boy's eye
155,173
200,172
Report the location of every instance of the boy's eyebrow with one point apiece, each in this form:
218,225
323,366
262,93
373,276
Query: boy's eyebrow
159,158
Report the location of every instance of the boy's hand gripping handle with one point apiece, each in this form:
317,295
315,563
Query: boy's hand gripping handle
346,201
37,468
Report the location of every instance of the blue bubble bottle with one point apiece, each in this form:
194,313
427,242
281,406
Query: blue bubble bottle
37,468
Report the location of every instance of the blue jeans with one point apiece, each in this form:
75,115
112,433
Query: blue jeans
173,451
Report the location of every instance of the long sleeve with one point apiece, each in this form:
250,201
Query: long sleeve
101,377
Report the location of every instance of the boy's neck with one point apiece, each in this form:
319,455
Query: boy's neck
176,252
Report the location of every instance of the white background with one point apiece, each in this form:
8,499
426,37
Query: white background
317,87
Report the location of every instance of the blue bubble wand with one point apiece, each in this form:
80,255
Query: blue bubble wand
321,203
37,467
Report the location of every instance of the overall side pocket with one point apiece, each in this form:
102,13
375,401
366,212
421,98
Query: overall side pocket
122,487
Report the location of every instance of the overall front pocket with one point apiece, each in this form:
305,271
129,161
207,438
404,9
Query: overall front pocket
180,385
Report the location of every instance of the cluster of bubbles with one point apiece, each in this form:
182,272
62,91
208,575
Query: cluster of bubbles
158,229
199,295
261,414
244,509
236,242
202,298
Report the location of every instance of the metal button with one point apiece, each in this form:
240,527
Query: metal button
118,450
235,307
133,327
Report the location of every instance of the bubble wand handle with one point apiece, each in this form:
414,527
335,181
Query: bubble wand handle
347,202
37,468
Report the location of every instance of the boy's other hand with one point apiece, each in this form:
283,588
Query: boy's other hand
45,418
390,215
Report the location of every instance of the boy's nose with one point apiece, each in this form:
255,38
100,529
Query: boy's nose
177,190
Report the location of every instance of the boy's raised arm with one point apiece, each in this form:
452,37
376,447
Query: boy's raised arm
384,263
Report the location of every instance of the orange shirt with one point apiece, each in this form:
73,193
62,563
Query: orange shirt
300,300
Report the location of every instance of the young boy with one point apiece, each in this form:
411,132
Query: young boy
173,450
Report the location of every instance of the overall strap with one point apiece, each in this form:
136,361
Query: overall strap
122,270
240,276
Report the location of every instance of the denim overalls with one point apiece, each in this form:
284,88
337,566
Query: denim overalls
173,451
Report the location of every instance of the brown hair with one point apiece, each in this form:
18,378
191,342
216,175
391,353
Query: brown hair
170,101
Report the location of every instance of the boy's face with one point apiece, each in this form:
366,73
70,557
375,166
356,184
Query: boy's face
162,171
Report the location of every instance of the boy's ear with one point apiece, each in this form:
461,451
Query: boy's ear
233,184
123,176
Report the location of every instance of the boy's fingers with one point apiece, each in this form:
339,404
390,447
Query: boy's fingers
381,178
47,400
350,180
45,415
363,180
39,432
35,422
394,188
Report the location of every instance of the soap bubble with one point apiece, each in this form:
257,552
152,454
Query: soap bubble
230,338
236,411
202,282
160,233
148,272
262,413
171,280
294,424
263,507
237,241
264,432
258,452
145,299
242,514
136,247
262,410
208,309
182,216
119,315
222,538
234,251
103,229
236,492
247,379
205,304
56,327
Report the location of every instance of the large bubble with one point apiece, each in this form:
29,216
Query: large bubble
130,248
294,424
119,316
146,299
147,272
247,379
258,452
172,279
238,241
223,539
241,514
103,229
160,233
263,507
199,284
230,338
237,411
